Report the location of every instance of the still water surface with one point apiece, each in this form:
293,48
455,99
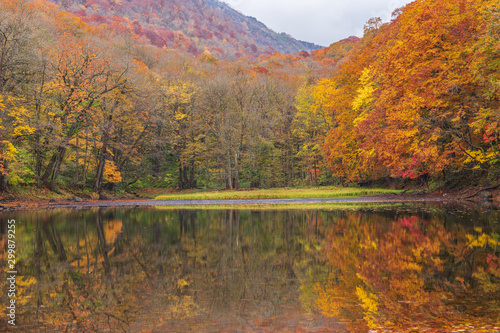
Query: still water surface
399,269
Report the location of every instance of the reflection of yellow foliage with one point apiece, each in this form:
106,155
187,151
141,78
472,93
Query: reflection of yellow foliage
181,283
112,229
369,302
182,307
482,240
368,244
180,116
486,282
3,245
23,283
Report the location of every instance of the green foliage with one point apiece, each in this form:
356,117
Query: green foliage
20,172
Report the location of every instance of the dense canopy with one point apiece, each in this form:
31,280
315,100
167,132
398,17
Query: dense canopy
94,104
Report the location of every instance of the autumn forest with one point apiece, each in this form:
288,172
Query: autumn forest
116,95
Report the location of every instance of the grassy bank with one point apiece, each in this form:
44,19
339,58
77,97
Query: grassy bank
330,192
305,206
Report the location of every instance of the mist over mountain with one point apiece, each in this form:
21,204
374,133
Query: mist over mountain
190,25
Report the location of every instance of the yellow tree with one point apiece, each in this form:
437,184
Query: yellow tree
82,76
310,127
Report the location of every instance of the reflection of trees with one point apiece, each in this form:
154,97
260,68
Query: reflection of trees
129,270
116,270
409,272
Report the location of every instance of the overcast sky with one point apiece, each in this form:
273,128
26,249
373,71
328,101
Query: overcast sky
319,21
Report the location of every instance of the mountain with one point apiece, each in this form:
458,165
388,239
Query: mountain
190,25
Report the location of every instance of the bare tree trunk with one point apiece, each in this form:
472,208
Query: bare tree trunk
4,177
102,164
207,170
77,161
85,161
229,173
236,179
57,167
192,176
104,153
53,168
48,170
38,148
38,160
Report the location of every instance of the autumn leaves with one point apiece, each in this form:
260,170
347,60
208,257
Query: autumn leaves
416,96
86,105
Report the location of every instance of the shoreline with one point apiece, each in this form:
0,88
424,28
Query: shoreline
43,204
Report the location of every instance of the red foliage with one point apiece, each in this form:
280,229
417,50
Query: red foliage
154,38
193,49
304,54
260,70
137,28
99,19
493,264
81,13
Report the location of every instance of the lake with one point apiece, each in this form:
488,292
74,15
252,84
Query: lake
400,268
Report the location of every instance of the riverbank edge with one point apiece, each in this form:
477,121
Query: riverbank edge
480,198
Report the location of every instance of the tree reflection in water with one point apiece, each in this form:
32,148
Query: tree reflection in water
141,270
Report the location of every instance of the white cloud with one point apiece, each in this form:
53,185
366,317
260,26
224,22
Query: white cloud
319,21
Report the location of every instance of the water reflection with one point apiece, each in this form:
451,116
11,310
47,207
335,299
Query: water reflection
155,270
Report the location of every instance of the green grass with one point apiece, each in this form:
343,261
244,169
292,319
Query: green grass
329,192
312,206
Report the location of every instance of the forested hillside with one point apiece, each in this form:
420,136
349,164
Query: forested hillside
190,25
91,98
418,97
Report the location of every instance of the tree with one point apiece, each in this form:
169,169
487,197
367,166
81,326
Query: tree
82,77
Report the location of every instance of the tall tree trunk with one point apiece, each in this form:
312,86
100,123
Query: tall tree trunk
156,165
85,160
180,180
236,177
207,170
192,176
38,137
101,165
38,160
49,169
57,167
4,177
53,168
77,162
229,174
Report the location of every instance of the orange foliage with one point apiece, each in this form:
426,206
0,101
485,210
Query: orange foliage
413,111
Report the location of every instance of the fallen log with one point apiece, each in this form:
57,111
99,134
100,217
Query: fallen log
481,190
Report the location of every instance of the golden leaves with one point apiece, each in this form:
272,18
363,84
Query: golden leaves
111,172
364,94
409,93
